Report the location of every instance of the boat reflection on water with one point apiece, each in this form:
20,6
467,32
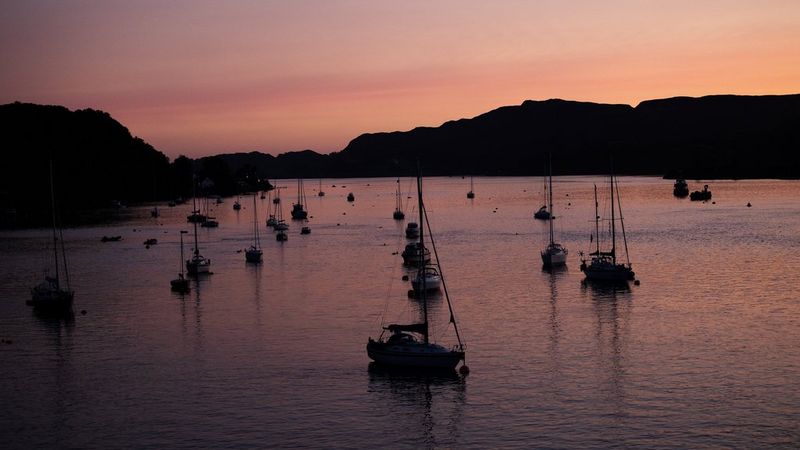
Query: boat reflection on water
189,301
55,323
611,304
427,405
62,371
554,276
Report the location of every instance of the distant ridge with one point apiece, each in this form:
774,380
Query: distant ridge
98,160
719,136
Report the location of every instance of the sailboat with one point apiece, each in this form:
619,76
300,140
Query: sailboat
253,254
210,222
198,263
554,254
603,265
543,213
298,213
270,217
236,205
471,193
410,345
321,193
398,204
180,284
49,295
195,216
280,225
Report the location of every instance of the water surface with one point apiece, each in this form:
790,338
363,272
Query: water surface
704,353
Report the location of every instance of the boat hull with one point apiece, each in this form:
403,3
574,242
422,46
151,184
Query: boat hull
431,284
608,272
554,259
299,214
179,285
429,356
413,259
253,256
53,301
197,266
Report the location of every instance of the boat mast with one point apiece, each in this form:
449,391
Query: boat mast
550,207
255,223
613,220
421,267
196,250
622,222
444,285
596,222
181,262
398,201
53,211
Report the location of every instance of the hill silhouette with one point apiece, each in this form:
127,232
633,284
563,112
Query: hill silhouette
724,136
97,160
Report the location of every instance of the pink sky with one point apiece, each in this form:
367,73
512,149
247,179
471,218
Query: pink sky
203,77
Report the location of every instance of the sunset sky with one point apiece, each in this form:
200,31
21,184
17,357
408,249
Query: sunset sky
202,77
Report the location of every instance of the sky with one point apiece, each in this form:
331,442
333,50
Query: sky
203,77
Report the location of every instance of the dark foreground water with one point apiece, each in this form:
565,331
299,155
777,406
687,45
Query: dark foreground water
705,353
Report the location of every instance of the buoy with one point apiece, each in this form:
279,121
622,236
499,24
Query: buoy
713,203
569,204
637,282
405,277
464,370
749,205
411,293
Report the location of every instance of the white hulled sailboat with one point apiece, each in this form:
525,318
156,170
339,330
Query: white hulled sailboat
554,254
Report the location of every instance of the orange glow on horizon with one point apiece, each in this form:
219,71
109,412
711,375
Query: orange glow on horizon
201,78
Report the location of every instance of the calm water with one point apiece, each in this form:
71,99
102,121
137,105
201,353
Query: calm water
704,353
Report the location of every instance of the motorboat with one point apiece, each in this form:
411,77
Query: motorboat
412,230
427,279
703,195
415,254
680,188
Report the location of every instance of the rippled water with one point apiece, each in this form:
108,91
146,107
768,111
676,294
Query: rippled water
704,353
